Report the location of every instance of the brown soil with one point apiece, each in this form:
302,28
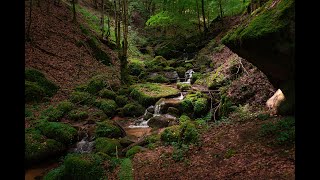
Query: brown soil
252,158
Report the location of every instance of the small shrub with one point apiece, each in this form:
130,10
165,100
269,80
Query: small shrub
184,118
107,129
108,94
107,145
135,67
189,132
188,66
132,151
183,86
170,134
96,84
181,71
58,131
65,106
179,152
195,76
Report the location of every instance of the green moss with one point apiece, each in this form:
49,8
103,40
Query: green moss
267,21
200,106
149,93
188,66
133,110
98,53
27,112
33,75
190,132
96,84
58,131
107,129
81,166
135,67
55,113
54,174
158,79
195,77
107,106
82,98
126,170
33,92
107,145
108,94
132,151
183,86
77,115
181,71
184,118
38,147
121,100
157,64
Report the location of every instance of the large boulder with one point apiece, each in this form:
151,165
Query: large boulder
267,40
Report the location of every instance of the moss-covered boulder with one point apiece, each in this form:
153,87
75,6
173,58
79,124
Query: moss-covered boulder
200,106
121,100
183,86
107,145
158,79
83,98
136,67
171,134
79,166
108,106
267,40
160,121
149,93
133,110
194,105
37,86
58,131
132,151
39,147
55,113
108,129
108,94
77,115
186,133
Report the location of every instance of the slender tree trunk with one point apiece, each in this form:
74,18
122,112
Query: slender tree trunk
102,18
108,31
208,15
30,20
198,13
221,11
115,22
204,17
123,57
118,25
74,19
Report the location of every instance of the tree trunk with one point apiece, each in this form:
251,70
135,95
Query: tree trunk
204,17
74,19
221,11
115,22
208,15
30,20
108,31
123,59
118,25
198,14
102,19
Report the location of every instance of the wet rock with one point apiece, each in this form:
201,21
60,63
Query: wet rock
173,111
147,116
172,76
161,121
150,109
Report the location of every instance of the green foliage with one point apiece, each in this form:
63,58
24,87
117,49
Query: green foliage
98,53
132,151
60,132
158,79
133,110
107,145
56,113
156,64
38,147
107,129
136,66
78,166
200,106
77,115
179,152
229,153
171,134
181,71
96,84
121,100
107,106
194,104
36,81
27,112
188,66
56,173
263,116
183,86
225,106
283,131
183,118
126,168
243,112
108,94
82,98
195,77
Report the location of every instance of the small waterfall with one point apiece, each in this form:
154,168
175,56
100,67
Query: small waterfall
180,97
188,76
84,146
158,108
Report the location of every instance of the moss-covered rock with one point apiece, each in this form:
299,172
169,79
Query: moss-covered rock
108,94
58,131
133,110
183,86
77,115
135,67
132,151
107,145
55,113
200,106
184,118
82,98
121,100
194,104
181,71
107,129
171,134
158,79
173,111
107,106
38,147
40,84
148,94
79,166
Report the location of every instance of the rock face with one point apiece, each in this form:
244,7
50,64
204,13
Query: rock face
267,40
161,121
